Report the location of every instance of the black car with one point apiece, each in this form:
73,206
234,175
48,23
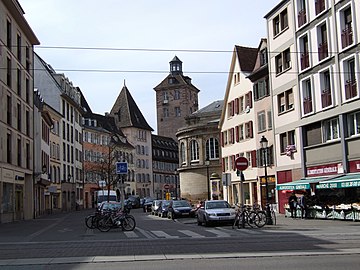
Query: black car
135,201
147,204
179,208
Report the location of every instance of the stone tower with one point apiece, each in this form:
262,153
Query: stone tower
176,98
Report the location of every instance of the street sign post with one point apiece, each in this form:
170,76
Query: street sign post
121,167
241,163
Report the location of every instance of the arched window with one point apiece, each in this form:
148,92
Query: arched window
182,153
212,149
194,150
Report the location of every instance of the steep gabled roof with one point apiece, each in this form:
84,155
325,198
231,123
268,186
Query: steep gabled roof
247,57
127,113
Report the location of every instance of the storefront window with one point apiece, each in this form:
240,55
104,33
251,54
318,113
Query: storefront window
8,197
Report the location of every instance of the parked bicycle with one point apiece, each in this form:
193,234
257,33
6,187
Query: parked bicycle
116,219
91,221
245,215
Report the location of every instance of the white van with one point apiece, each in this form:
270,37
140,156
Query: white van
102,196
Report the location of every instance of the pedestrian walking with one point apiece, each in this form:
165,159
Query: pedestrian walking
293,204
302,204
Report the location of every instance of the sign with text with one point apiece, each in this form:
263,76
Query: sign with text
323,170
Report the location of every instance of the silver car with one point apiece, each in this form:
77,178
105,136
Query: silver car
215,211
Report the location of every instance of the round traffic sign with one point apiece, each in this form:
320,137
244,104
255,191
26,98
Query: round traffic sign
166,186
241,163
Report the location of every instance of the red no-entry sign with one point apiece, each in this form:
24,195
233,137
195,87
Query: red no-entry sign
241,163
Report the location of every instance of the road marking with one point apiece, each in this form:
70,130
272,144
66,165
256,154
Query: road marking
163,234
131,234
219,233
191,234
147,234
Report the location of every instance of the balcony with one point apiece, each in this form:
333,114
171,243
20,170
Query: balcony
346,37
307,103
302,17
323,50
350,89
304,60
326,98
319,6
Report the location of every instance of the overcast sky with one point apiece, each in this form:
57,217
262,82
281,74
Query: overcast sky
154,31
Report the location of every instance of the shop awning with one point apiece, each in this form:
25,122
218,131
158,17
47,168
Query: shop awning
345,181
301,184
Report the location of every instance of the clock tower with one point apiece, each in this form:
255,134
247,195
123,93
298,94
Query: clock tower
176,98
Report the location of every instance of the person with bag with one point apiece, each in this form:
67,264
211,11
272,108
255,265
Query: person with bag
293,204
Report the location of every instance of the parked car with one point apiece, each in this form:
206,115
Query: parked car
215,211
163,208
155,207
135,201
179,208
147,204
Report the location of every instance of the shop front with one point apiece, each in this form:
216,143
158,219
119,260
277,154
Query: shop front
332,197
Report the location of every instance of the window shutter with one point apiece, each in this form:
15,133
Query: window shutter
232,107
233,162
236,105
237,133
250,99
253,158
232,136
255,87
223,164
251,129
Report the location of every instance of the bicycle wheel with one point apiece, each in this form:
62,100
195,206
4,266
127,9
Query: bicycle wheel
104,224
241,221
236,221
260,219
89,221
128,223
250,219
273,217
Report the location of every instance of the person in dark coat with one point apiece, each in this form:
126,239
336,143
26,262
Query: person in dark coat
302,204
293,204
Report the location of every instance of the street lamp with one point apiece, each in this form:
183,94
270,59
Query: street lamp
264,148
207,163
176,184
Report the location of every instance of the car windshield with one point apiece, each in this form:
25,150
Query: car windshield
216,205
181,204
149,200
165,203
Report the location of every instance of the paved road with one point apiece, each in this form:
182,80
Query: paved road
64,238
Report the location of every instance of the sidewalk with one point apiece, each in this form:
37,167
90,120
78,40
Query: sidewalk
283,222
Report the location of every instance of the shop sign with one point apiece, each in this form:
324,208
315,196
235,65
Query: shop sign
323,170
345,184
293,187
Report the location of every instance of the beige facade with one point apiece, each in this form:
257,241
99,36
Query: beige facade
237,127
199,155
16,113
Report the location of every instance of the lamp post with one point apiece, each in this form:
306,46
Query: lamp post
207,163
176,184
264,148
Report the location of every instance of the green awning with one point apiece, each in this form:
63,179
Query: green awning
345,181
301,184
